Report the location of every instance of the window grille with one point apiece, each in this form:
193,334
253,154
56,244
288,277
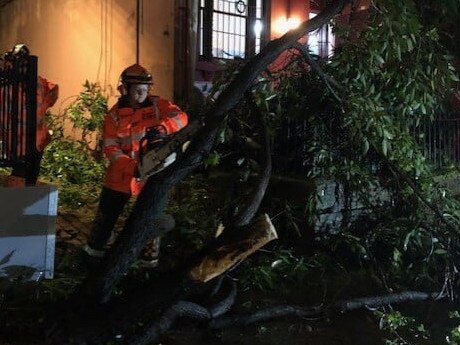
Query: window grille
18,107
321,41
231,28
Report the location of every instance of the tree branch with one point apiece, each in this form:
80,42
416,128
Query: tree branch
252,205
328,80
320,312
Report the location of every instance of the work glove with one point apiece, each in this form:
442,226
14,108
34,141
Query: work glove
154,137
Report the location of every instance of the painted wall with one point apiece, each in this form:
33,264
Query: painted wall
77,40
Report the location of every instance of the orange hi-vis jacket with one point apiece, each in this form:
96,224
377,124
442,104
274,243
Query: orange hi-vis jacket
47,95
124,127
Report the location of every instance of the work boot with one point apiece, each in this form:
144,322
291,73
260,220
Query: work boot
95,253
151,251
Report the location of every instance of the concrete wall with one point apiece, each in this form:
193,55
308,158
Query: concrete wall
77,40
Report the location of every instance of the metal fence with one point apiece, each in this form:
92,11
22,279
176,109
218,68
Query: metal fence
18,108
439,140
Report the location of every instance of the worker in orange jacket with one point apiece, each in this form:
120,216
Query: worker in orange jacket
126,123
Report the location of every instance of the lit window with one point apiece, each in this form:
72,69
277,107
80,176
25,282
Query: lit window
321,41
231,28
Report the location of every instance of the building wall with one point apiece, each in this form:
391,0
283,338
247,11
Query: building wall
78,40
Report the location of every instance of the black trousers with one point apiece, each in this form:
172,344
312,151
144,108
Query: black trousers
110,207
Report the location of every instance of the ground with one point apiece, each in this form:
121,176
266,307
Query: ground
355,328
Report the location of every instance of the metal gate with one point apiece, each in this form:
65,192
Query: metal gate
18,108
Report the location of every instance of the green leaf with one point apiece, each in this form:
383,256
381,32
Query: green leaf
384,147
380,59
454,77
410,46
407,239
365,146
423,108
212,159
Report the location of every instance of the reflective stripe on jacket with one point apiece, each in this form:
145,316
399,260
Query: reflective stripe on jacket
124,127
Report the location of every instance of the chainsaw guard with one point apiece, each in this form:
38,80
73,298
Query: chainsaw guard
167,162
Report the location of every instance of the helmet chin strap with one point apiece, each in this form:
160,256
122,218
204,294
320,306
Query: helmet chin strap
134,104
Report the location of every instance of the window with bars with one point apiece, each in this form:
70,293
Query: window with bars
231,28
321,41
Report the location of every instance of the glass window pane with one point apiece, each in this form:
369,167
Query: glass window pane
259,9
229,27
321,41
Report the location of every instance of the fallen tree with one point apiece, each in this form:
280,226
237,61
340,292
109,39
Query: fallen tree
100,284
153,198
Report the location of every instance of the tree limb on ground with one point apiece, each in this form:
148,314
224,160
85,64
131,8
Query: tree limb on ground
182,309
322,312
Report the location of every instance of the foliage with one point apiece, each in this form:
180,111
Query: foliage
395,76
402,79
454,336
279,271
400,327
68,276
395,84
78,175
193,205
87,111
72,163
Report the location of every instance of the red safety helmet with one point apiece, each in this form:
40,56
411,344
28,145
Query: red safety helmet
136,74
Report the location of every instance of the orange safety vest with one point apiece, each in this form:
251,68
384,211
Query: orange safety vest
124,127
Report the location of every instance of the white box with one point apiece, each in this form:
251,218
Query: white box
28,231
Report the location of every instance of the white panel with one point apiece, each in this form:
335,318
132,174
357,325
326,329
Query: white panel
27,232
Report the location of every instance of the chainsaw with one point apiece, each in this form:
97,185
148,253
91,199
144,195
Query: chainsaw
158,150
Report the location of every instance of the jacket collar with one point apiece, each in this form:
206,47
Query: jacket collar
123,102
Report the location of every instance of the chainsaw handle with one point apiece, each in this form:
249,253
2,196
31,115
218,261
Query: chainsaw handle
154,136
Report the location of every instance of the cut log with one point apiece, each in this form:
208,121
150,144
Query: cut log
238,247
